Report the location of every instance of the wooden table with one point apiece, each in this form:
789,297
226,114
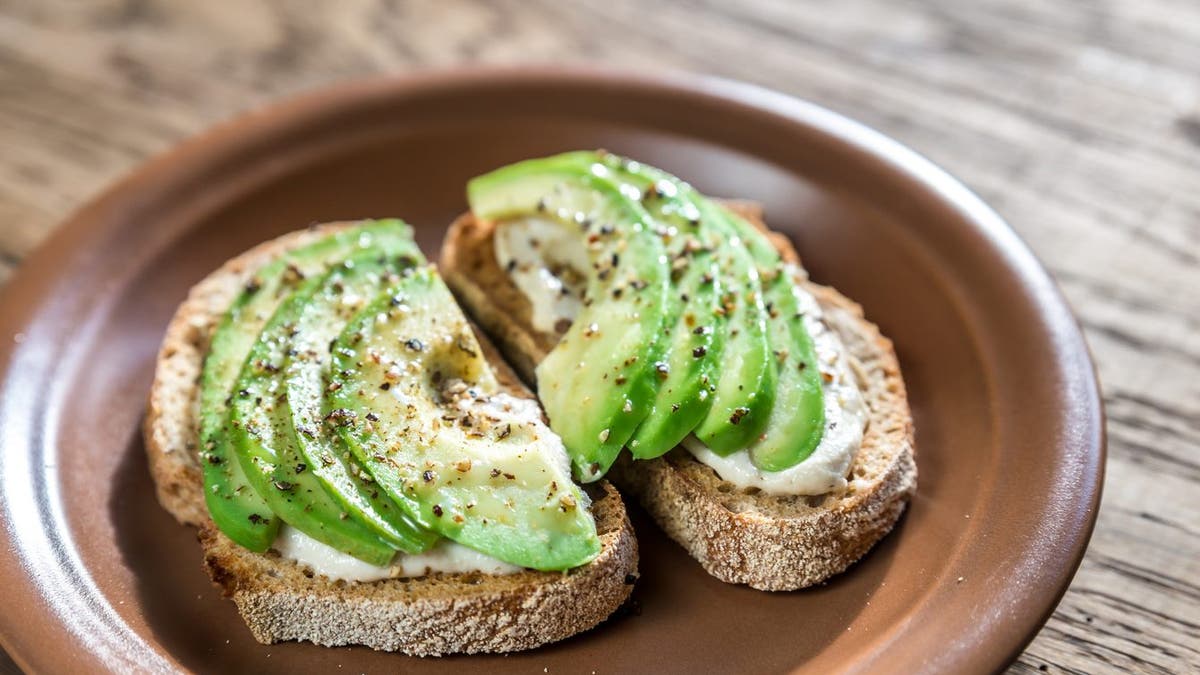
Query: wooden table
1079,121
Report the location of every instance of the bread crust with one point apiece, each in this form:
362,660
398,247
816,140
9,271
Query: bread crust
768,542
283,600
433,615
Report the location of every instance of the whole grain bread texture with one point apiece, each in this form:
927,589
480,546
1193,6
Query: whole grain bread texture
773,543
283,600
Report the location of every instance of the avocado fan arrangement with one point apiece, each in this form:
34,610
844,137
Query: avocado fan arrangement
346,395
326,405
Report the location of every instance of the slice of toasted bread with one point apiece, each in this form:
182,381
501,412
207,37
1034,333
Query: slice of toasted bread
283,600
768,542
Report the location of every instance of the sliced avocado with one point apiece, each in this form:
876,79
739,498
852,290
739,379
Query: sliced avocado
747,386
344,290
267,445
689,368
235,507
419,406
797,420
601,379
744,387
766,397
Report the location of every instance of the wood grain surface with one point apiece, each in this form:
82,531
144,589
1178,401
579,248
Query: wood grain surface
1079,121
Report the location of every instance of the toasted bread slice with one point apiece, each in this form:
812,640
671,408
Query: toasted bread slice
283,600
767,542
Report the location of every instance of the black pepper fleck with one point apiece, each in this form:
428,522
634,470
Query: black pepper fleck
738,414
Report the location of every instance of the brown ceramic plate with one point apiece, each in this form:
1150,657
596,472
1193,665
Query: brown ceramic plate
1009,422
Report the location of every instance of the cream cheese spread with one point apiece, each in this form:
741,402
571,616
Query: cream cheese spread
545,260
445,556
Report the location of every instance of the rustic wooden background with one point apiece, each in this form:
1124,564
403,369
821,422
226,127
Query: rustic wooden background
1079,121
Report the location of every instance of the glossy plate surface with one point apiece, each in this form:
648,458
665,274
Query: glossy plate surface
1009,423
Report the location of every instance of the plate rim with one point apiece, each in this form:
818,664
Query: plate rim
23,294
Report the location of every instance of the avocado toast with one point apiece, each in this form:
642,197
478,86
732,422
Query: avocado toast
365,469
253,439
757,416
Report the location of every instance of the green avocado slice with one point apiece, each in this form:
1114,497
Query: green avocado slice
696,331
766,397
743,388
267,445
732,407
769,401
235,507
419,406
601,379
747,388
797,421
315,325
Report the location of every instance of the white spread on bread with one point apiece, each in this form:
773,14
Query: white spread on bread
544,259
445,556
